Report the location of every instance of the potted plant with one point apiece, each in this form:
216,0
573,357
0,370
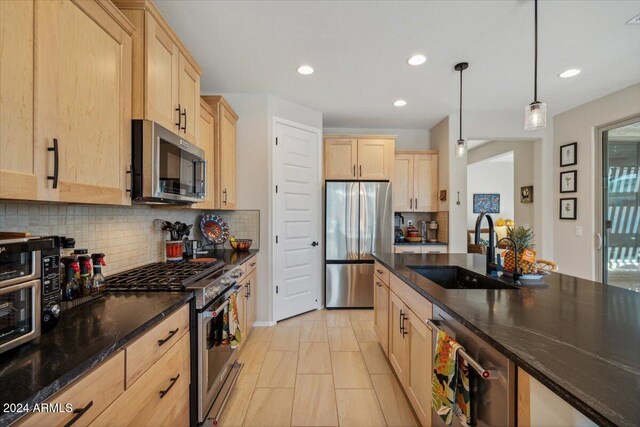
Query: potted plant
523,238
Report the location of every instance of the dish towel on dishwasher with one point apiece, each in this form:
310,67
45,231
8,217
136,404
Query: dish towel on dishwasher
450,381
235,334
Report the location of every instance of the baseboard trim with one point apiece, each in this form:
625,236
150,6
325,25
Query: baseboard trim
263,324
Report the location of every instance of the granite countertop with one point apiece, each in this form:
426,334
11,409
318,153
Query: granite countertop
230,257
85,336
578,337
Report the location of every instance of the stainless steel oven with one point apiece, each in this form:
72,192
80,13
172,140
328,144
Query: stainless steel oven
29,289
492,380
218,368
165,167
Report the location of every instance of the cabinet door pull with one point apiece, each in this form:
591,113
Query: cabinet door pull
224,198
128,172
247,293
416,203
184,114
56,162
401,321
379,271
164,392
253,264
378,283
78,413
411,203
171,334
361,171
179,110
354,170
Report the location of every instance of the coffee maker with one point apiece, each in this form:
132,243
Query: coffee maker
399,222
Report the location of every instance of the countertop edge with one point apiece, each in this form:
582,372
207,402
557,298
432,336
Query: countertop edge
7,418
566,395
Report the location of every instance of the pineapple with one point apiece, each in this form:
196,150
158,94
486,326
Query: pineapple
524,239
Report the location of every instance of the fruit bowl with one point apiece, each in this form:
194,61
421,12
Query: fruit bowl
241,244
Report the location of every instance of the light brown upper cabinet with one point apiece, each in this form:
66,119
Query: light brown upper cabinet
224,165
206,141
416,182
18,175
361,157
80,147
166,78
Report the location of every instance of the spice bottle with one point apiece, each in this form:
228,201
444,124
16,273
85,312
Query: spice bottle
71,287
85,274
99,282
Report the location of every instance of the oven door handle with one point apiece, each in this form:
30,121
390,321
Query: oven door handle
487,374
218,311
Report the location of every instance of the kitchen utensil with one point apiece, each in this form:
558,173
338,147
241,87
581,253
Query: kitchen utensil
174,250
214,229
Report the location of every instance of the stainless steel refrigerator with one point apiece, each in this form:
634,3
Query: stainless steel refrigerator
358,221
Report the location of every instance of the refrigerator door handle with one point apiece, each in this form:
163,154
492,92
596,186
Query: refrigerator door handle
364,224
352,221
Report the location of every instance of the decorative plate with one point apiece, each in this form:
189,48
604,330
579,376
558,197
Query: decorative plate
214,229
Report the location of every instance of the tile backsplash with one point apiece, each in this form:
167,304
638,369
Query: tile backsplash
125,234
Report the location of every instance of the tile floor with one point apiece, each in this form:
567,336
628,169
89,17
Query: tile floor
323,368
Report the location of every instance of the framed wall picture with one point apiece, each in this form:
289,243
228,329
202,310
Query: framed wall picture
526,194
568,182
569,154
568,208
489,203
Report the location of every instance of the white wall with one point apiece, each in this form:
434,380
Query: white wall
493,125
254,176
490,177
408,139
523,175
576,255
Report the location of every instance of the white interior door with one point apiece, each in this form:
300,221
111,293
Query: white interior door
297,216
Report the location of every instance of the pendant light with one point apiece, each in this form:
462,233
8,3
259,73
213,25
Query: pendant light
535,114
461,145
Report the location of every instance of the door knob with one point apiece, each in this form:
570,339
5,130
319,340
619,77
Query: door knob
314,244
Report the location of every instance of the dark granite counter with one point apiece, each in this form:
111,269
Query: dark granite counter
581,339
231,257
85,336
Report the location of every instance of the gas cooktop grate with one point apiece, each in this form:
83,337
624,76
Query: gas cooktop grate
161,276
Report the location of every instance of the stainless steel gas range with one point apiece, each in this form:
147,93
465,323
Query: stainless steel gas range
213,285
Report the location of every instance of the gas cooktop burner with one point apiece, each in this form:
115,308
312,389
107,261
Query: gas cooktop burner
162,276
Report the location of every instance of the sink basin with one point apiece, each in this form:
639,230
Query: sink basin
459,278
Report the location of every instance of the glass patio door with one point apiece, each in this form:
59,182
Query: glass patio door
621,205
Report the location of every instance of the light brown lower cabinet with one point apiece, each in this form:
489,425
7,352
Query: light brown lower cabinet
157,384
160,397
91,394
381,312
410,344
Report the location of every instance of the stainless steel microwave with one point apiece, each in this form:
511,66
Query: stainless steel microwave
165,168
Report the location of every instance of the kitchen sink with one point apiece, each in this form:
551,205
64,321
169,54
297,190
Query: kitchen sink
459,278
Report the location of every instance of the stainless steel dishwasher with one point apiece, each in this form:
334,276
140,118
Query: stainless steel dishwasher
492,376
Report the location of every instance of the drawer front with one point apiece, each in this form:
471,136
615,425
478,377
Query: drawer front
408,249
150,347
251,265
94,391
382,273
416,302
159,398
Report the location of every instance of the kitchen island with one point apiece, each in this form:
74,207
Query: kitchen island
579,338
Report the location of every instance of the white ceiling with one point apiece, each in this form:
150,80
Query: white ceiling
359,49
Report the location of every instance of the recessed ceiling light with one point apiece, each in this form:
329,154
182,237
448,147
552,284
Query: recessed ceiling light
305,69
417,60
635,20
400,103
571,72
